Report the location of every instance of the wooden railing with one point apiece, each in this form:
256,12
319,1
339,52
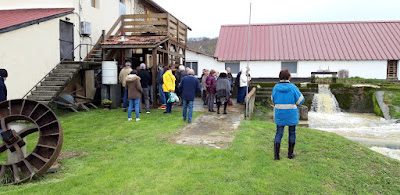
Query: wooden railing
146,24
250,98
155,24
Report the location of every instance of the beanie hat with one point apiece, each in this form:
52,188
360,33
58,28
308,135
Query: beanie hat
3,73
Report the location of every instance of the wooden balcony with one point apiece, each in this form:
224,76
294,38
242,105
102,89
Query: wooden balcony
158,24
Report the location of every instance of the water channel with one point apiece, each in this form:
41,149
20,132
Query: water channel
377,133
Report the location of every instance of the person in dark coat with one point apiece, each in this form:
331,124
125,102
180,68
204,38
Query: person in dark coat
145,81
223,87
3,88
286,97
160,82
189,86
180,75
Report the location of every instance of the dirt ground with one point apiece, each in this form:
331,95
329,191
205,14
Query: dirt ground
211,129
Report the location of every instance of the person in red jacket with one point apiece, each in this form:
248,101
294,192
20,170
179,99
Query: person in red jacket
210,84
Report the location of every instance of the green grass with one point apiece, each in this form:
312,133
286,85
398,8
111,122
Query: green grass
124,157
392,99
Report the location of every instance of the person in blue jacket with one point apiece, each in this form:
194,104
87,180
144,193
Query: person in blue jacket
286,97
189,86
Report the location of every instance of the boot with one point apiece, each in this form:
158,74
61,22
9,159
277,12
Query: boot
225,105
277,147
218,106
290,151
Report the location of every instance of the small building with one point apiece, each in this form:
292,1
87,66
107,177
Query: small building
362,49
199,60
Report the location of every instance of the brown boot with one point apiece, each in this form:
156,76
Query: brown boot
277,148
290,151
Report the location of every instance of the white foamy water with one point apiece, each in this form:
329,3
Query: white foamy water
382,135
392,153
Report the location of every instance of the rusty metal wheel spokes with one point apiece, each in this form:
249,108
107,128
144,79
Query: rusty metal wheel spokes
44,121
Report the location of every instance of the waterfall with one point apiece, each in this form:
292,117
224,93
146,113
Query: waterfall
324,101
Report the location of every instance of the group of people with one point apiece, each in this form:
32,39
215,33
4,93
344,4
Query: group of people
219,87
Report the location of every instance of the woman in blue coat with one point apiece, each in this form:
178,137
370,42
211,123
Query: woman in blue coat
286,97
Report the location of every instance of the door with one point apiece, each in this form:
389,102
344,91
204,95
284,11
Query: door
66,40
392,69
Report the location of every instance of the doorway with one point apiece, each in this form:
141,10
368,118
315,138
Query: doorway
66,40
392,69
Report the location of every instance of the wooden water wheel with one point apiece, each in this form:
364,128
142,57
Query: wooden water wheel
42,121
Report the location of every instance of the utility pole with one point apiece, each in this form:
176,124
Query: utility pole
248,61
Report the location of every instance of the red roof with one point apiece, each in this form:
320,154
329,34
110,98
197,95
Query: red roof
14,19
311,41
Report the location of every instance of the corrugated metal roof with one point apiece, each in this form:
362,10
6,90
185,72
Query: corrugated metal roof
311,41
14,19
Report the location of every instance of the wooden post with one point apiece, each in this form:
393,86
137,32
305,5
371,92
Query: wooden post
154,75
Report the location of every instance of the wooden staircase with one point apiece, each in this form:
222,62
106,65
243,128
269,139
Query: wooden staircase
55,82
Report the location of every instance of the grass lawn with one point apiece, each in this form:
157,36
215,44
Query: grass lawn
124,157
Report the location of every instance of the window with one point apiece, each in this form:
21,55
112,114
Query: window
235,67
192,65
93,3
291,66
392,69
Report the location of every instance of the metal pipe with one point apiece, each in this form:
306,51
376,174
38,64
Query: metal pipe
247,68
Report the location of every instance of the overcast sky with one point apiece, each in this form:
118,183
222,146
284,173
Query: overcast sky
205,17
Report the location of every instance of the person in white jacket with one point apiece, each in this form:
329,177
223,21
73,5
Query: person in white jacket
244,82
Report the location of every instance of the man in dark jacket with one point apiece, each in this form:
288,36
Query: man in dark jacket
159,81
180,75
189,86
3,88
145,79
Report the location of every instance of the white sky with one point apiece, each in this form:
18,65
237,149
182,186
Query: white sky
205,17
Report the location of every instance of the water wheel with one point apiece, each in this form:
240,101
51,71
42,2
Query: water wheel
43,123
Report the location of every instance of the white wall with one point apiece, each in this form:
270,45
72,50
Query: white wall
204,62
364,69
29,53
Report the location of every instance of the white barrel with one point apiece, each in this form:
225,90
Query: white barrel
13,157
110,72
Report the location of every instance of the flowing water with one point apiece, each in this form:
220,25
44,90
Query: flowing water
380,135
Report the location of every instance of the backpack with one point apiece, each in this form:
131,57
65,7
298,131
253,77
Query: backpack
237,80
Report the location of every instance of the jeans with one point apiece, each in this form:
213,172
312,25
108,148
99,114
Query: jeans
241,94
145,96
131,103
279,133
211,101
169,105
186,104
125,99
204,96
151,93
162,95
